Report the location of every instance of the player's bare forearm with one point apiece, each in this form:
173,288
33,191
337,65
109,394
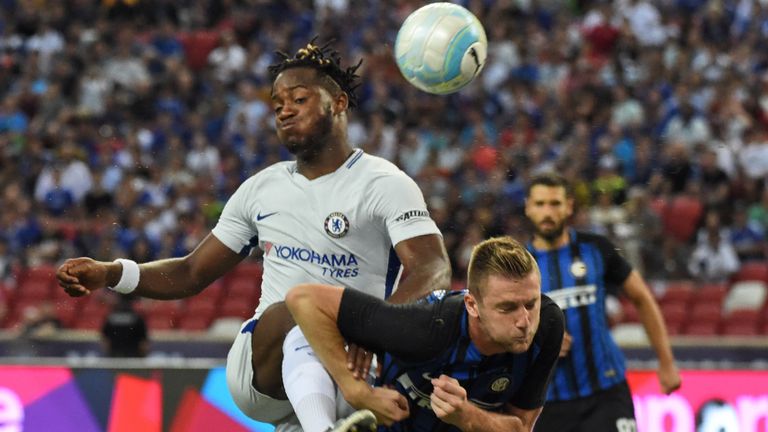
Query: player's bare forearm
315,308
653,323
426,268
163,279
169,279
450,404
650,316
480,420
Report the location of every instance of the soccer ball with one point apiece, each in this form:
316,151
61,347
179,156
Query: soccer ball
440,48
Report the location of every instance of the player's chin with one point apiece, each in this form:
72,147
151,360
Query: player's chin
547,228
518,346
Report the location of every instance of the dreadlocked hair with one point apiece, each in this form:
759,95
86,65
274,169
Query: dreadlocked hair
324,59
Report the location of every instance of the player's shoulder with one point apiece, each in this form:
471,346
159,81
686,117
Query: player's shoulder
375,166
276,171
549,307
380,176
551,317
592,238
438,296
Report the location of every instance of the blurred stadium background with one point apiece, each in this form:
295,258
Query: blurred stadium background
126,124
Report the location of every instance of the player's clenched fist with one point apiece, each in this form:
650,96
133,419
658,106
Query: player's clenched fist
448,399
80,276
394,406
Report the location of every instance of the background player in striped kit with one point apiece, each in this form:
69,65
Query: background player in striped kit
473,361
589,390
335,215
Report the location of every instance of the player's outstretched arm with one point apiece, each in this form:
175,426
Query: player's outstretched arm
163,279
653,322
315,308
426,268
450,404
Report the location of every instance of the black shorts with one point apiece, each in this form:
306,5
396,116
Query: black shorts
610,410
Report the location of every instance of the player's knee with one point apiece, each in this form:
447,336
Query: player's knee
297,296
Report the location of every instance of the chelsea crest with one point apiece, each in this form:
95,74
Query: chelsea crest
336,225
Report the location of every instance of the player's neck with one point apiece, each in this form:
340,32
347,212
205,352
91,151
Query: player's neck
324,162
480,339
543,243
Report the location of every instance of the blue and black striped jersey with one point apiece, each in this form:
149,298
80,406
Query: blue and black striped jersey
418,350
577,277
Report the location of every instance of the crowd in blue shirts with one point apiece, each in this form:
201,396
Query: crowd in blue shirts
126,124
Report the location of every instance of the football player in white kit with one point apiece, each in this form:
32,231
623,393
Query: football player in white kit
335,215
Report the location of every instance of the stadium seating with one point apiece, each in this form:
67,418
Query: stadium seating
160,322
16,311
704,319
680,216
194,322
68,309
206,303
44,273
703,328
688,308
35,289
160,314
675,315
225,326
92,314
236,307
752,271
678,292
749,294
710,293
248,269
629,311
741,322
629,334
706,312
243,288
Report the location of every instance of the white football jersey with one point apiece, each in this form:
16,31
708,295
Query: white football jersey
338,229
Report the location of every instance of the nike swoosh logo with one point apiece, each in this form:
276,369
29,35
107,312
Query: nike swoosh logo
260,216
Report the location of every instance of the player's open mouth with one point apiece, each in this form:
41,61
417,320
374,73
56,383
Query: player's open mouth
287,125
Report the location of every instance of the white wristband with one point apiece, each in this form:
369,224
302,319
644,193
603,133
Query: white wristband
129,279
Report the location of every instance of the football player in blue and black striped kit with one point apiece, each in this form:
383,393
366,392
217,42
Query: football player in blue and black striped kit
475,360
589,391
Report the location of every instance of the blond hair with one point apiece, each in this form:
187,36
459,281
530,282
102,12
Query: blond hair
498,256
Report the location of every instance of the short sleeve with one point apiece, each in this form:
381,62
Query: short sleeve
397,199
617,269
234,227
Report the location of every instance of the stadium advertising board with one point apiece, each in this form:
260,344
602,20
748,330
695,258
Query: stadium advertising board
34,398
723,401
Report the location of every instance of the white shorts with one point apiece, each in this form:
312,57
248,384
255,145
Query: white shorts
258,406
255,405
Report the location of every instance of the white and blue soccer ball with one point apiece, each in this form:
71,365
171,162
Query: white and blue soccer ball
441,47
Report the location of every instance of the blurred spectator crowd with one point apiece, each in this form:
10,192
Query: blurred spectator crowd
126,124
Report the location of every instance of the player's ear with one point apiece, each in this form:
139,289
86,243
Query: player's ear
569,206
340,103
471,304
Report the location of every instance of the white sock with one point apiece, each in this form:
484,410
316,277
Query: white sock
310,389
